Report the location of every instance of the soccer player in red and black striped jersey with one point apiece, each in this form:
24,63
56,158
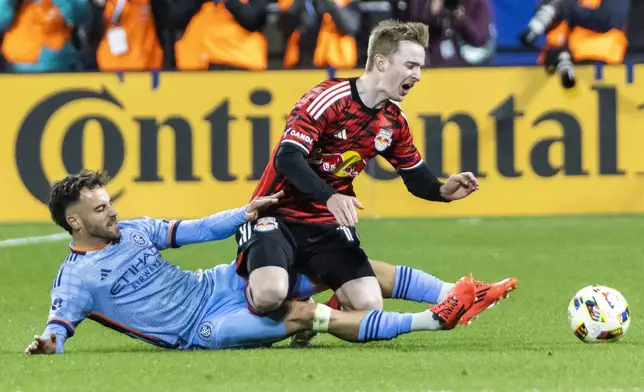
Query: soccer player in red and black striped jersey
330,136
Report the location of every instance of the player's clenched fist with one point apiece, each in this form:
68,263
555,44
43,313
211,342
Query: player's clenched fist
459,186
260,203
42,345
343,208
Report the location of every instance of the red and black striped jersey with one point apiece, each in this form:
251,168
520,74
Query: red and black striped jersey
340,135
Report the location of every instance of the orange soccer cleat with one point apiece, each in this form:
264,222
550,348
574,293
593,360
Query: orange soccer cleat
488,295
458,301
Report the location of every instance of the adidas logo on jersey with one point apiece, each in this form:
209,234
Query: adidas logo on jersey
341,135
104,273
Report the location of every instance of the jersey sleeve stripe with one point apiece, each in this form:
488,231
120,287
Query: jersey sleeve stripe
173,234
330,102
414,166
63,323
59,276
326,95
300,145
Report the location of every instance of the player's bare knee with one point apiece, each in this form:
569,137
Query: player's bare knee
268,296
268,288
368,301
361,294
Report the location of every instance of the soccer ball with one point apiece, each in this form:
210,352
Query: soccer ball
598,313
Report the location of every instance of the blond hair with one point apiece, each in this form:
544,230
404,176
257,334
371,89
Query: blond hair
384,38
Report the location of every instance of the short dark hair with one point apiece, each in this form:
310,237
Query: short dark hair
66,192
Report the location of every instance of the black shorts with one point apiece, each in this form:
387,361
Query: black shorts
329,253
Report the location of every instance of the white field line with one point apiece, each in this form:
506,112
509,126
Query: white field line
34,240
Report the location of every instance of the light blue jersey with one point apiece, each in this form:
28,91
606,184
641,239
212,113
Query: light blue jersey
129,287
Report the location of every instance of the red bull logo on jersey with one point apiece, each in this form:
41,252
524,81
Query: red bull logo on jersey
347,164
383,140
266,224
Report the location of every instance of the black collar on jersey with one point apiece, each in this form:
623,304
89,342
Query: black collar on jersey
356,97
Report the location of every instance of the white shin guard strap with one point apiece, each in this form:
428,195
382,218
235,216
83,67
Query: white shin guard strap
322,318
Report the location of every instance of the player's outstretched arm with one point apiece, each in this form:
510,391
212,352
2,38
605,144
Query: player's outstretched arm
71,302
422,183
459,186
261,203
418,178
223,224
43,345
52,339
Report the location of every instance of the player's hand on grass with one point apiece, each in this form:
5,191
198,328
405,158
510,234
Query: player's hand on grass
343,208
459,186
260,203
41,345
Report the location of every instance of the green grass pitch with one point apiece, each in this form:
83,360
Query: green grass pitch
524,344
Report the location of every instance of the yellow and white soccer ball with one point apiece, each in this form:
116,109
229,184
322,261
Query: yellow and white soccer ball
598,313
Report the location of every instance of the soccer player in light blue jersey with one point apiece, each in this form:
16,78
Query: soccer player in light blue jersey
115,275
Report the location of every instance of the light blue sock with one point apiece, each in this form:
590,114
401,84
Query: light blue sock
416,285
379,325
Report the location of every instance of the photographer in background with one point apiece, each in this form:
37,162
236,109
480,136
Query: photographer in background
320,33
37,34
127,36
225,35
577,32
461,31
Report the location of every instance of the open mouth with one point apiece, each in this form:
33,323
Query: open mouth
406,87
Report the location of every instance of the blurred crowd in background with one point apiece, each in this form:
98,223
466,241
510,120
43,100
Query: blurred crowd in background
125,35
